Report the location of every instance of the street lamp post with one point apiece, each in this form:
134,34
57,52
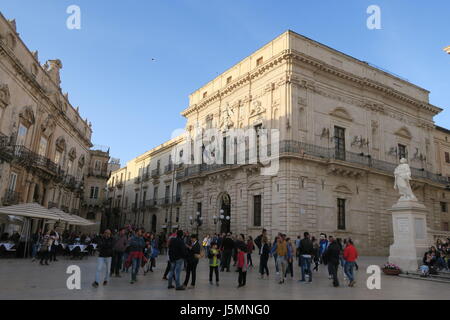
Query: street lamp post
198,221
223,218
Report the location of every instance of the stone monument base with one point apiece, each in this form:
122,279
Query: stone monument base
410,234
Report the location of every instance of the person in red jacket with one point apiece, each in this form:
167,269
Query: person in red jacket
242,264
350,256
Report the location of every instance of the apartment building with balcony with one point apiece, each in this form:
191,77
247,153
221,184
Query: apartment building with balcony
44,141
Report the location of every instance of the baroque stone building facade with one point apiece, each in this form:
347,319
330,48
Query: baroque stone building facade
343,126
45,145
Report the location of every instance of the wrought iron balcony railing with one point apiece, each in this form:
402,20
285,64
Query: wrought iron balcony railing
52,205
99,173
168,168
287,147
155,173
11,198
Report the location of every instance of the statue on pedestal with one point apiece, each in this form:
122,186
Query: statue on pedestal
402,177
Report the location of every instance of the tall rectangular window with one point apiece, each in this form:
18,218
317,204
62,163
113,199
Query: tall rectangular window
69,167
258,132
444,207
257,211
177,217
199,209
97,165
94,193
341,214
43,147
22,135
339,142
57,157
402,152
178,192
12,181
224,150
447,157
167,194
155,195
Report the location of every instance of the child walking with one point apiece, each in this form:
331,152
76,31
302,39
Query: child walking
242,264
214,263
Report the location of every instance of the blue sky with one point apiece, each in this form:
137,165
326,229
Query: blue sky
134,103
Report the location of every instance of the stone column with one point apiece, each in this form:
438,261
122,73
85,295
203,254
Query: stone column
31,192
410,234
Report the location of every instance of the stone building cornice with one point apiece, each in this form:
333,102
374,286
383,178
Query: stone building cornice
365,82
293,56
238,83
34,84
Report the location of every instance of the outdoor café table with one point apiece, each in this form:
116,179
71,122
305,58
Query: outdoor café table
8,246
81,246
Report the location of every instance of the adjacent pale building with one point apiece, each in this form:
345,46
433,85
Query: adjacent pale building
343,126
45,144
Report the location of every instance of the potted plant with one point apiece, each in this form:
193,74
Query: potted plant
391,269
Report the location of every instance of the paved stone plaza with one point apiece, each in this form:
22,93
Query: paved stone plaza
22,279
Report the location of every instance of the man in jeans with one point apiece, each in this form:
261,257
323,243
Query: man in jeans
177,254
306,252
120,245
137,245
331,257
350,256
282,252
105,251
227,252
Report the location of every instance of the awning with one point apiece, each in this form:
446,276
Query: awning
31,210
71,218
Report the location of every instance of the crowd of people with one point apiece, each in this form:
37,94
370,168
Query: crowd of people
134,249
436,259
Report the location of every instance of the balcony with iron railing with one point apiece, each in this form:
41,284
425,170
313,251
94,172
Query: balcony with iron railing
137,180
296,148
52,205
168,168
146,176
151,203
101,173
11,198
6,152
155,173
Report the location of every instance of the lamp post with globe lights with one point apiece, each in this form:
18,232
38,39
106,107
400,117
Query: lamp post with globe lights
198,221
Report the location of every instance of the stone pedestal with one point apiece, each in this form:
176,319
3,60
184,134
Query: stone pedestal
410,234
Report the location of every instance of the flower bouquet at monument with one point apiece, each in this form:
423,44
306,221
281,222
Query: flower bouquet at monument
391,269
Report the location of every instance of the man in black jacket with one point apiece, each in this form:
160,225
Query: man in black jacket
258,240
193,255
331,257
105,252
177,254
306,253
227,247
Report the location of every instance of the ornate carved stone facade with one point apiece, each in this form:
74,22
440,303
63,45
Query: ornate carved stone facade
343,127
44,142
